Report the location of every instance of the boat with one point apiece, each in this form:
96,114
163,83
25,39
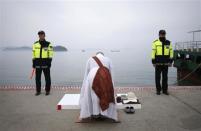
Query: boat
187,60
115,50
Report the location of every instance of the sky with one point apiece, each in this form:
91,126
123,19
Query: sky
103,24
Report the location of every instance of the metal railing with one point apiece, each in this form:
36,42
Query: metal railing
193,46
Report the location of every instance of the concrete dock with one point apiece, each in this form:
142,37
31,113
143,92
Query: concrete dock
21,110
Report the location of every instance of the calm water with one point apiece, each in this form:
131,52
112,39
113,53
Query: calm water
68,68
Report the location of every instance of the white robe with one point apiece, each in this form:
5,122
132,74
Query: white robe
89,102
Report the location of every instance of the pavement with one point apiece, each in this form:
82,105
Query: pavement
21,110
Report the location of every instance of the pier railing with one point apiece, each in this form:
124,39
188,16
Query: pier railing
193,46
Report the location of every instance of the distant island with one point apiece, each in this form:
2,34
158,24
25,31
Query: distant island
16,48
60,48
25,48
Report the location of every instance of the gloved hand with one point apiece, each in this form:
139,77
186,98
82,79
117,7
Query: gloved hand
33,63
49,63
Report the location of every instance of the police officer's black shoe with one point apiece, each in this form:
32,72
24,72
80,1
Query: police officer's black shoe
37,93
158,93
47,93
166,93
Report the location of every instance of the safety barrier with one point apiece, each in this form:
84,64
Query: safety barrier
77,88
192,46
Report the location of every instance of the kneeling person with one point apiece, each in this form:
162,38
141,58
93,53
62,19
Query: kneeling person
97,93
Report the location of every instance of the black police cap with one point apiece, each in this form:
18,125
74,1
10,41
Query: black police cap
162,32
41,32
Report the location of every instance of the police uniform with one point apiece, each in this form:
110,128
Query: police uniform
42,57
162,56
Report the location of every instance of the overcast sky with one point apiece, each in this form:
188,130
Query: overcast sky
98,24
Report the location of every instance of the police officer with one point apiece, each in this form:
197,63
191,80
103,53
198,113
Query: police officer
42,57
162,58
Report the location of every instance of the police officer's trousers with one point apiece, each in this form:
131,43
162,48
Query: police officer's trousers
46,72
161,69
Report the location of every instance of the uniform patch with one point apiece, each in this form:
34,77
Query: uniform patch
45,49
167,46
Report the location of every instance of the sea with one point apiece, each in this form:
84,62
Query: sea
68,68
